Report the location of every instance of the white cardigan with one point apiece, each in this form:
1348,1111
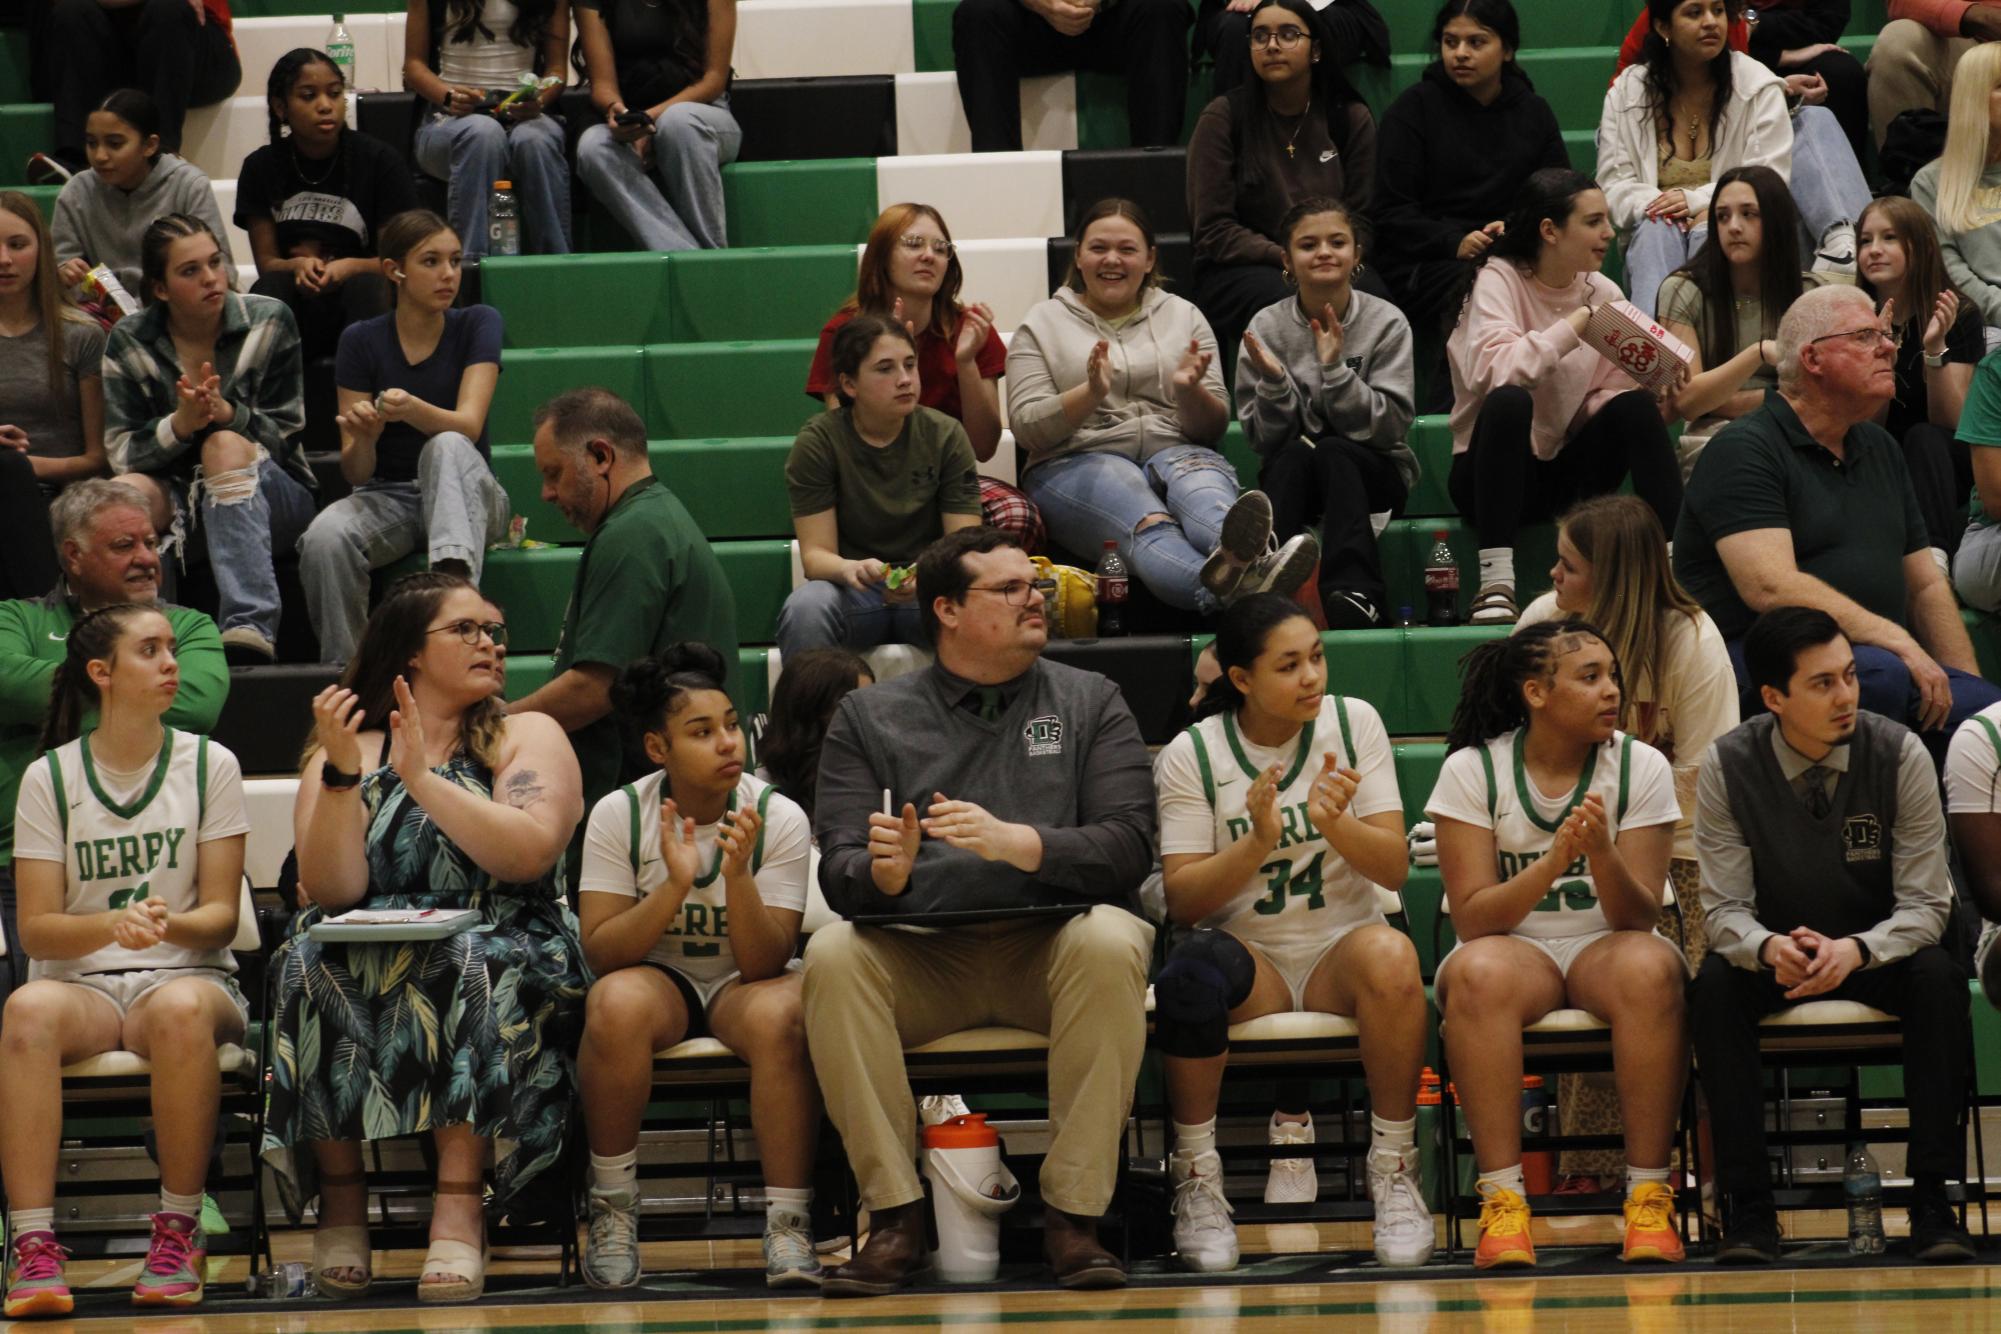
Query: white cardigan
1756,130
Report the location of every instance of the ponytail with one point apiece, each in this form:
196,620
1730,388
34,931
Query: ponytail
73,694
1491,678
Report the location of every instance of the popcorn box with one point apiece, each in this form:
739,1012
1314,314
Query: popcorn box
1636,345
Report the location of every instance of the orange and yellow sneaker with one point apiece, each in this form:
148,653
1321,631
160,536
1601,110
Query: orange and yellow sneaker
1650,1230
35,1284
1504,1230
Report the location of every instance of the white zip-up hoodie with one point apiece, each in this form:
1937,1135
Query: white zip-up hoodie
1756,130
1048,354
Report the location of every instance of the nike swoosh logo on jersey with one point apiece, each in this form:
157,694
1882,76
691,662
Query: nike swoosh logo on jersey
59,638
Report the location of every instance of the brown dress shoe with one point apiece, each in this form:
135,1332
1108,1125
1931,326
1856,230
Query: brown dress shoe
894,1254
1071,1245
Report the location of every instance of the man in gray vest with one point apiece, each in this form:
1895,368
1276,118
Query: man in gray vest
1822,845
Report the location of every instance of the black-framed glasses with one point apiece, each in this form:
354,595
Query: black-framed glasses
913,243
1014,592
469,632
1868,339
1285,38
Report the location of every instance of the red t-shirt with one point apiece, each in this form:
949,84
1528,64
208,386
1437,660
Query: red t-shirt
1629,50
937,367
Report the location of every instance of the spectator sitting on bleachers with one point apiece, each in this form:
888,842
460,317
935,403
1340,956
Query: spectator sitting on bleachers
1296,130
1115,392
995,43
51,396
810,687
1916,56
1956,188
102,214
1972,805
420,791
872,483
648,577
1021,784
181,52
1976,566
910,271
1726,302
314,201
1539,419
1222,32
1324,394
108,551
1451,153
202,412
1691,109
414,386
1806,502
666,70
465,57
693,887
1824,876
1939,342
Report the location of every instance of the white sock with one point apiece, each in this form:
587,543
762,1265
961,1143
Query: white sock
1637,1175
1395,1138
188,1205
620,1172
20,1222
1504,1178
779,1200
1197,1139
1497,566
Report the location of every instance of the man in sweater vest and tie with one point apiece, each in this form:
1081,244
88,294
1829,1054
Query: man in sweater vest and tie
1822,844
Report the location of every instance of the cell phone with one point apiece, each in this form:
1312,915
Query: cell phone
636,119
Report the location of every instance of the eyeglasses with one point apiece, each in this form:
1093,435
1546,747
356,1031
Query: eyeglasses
913,243
1015,591
1284,38
1868,339
470,631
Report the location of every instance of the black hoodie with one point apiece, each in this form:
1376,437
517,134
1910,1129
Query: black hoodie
1446,165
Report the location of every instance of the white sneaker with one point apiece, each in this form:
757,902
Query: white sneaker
611,1247
1204,1236
939,1108
1404,1231
789,1257
1291,1180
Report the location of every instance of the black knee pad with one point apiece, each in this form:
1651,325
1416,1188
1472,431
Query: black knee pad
1209,974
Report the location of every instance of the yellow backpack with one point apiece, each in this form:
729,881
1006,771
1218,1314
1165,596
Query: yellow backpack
1073,610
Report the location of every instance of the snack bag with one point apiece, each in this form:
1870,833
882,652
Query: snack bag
1636,345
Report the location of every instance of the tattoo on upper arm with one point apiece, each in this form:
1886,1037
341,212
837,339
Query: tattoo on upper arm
525,788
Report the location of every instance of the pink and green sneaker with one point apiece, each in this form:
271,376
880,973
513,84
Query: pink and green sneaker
35,1283
172,1275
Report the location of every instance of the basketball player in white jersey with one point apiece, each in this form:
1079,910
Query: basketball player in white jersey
692,891
1554,832
1279,817
128,855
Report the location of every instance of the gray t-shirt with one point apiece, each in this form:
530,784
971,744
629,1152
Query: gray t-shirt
54,427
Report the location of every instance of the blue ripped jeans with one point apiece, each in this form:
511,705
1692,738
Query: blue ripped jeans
1088,500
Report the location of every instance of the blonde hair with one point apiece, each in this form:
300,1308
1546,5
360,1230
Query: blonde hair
1633,588
1960,206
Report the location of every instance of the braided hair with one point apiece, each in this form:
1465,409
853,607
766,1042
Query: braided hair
1491,678
72,695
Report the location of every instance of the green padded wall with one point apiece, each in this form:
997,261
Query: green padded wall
574,300
530,377
826,202
728,389
25,127
733,488
768,292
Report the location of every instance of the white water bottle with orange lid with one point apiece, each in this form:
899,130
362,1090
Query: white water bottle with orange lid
970,1189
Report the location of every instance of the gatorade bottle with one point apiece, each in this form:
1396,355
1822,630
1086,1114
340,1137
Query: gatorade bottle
503,221
340,47
1112,589
1441,582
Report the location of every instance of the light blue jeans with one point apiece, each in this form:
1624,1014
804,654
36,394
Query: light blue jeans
453,511
683,210
240,536
1090,499
823,614
1827,187
470,153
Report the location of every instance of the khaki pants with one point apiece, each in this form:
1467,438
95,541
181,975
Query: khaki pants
872,992
1910,66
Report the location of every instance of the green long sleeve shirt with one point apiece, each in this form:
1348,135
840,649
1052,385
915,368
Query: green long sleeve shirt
34,636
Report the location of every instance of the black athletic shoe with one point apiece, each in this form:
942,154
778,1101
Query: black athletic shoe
1936,1235
1350,611
1753,1235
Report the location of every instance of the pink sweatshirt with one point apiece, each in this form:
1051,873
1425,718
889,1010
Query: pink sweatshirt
1941,16
1513,333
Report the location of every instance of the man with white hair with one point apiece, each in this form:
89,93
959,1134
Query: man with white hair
1806,503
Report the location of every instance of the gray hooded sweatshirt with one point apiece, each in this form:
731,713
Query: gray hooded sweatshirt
103,224
1048,355
1366,398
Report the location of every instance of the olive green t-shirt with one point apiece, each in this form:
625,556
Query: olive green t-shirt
889,502
647,579
1682,302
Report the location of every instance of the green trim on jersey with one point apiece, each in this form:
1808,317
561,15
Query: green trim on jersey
1347,737
1992,735
1244,763
201,784
62,798
1209,778
1625,774
631,791
152,784
1493,788
1528,799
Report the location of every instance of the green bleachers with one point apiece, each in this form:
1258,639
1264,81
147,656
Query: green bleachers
534,588
733,487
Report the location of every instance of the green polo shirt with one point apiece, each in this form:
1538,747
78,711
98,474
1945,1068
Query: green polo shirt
647,579
1980,424
1853,520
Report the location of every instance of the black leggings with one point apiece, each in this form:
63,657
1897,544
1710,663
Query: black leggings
28,566
1340,483
1499,484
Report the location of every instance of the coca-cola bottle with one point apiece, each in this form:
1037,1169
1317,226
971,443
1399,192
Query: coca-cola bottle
1112,584
1441,583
